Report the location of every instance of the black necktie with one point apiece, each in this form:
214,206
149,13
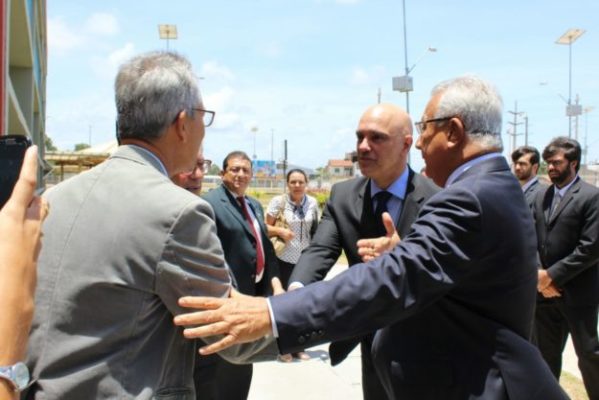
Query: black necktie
381,199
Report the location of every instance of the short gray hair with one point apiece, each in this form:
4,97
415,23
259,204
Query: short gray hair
151,89
479,106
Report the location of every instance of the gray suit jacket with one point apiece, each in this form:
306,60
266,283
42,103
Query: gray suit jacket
533,191
121,245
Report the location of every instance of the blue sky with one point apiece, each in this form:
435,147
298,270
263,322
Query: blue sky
304,70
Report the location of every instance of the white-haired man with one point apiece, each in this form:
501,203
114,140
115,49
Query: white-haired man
122,244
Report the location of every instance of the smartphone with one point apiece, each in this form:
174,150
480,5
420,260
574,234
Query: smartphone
12,152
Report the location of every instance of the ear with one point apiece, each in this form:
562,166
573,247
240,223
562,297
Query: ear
456,134
180,126
407,142
535,168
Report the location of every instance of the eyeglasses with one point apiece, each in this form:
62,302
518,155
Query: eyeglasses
208,116
421,125
202,165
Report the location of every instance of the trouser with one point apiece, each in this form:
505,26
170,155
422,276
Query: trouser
372,388
554,320
218,379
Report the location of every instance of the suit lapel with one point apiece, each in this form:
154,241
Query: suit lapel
409,207
230,204
254,208
568,197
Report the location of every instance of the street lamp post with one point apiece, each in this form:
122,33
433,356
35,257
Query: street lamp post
404,84
167,32
568,38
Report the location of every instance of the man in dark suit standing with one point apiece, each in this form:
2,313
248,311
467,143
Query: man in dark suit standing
453,302
526,166
567,222
353,212
250,255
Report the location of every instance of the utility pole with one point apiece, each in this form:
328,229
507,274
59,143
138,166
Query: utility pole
578,106
284,164
525,129
378,96
515,125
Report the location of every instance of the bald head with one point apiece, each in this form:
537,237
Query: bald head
384,138
393,117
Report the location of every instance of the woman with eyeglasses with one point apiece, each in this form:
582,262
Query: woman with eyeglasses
301,213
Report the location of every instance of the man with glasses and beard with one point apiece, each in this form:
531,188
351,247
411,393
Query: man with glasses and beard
567,223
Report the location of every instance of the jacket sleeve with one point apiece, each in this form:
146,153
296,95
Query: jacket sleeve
193,264
586,252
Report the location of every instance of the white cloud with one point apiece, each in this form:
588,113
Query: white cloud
102,24
117,57
61,38
106,67
222,102
213,70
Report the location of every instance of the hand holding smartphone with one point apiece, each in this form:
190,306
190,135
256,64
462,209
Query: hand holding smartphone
12,152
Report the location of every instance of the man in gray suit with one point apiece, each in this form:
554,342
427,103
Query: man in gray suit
122,244
354,209
526,166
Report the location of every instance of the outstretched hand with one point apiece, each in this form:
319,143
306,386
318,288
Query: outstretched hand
239,318
369,249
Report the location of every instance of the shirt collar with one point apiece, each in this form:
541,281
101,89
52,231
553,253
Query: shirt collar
398,188
148,152
467,165
529,183
563,190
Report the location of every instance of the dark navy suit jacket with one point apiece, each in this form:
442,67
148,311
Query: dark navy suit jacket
453,302
238,241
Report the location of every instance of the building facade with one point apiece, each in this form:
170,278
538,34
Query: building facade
23,69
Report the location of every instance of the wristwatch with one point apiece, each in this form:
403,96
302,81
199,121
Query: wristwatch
17,375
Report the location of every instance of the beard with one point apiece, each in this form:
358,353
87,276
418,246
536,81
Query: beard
561,177
523,175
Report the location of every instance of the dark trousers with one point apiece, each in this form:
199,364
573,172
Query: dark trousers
372,388
554,320
217,379
285,270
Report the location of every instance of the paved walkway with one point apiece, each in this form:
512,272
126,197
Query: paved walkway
316,379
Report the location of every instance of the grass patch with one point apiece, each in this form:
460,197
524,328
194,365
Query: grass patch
573,386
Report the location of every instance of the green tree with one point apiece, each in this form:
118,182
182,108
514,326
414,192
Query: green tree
81,146
214,170
49,144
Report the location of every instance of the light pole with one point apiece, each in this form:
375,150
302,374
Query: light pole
568,38
586,112
167,32
404,84
255,132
